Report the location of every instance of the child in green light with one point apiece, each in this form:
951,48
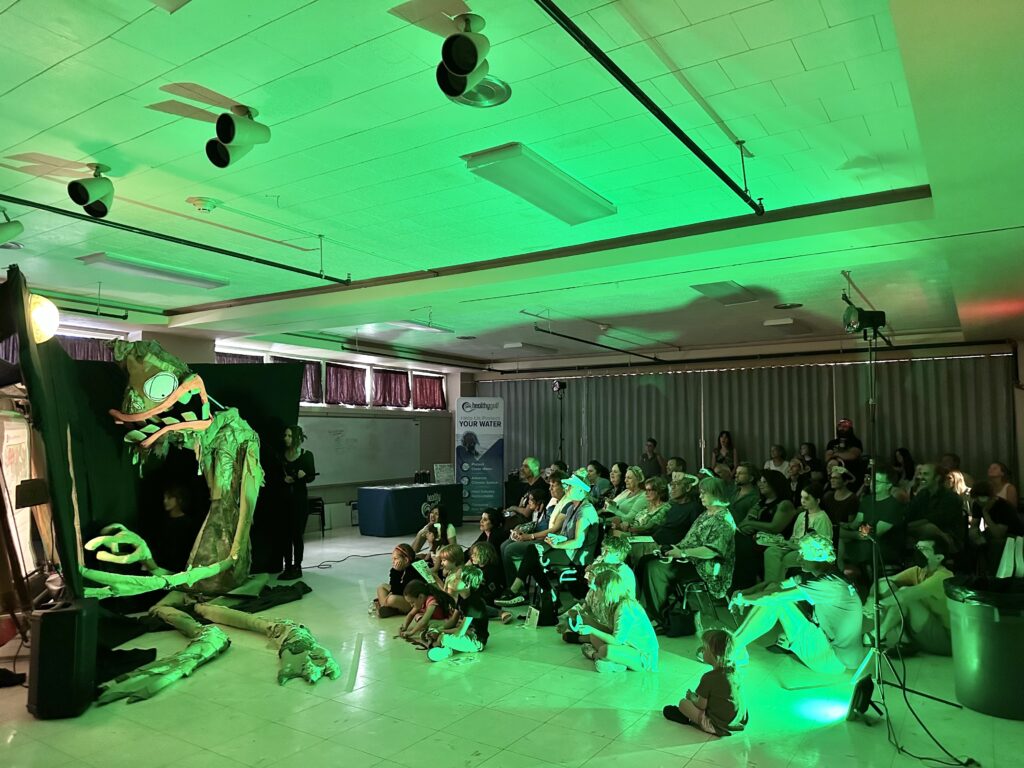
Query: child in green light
717,706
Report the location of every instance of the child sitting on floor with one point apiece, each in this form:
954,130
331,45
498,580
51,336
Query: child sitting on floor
631,644
717,706
428,603
390,600
485,557
448,564
455,636
614,552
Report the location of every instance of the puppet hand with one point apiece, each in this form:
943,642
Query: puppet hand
124,546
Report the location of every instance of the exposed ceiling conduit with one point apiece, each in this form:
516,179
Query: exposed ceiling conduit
602,58
538,329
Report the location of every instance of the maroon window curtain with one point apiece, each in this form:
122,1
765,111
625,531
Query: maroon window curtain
230,358
428,393
345,385
391,388
79,348
312,379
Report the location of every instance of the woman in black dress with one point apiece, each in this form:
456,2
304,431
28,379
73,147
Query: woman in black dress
299,471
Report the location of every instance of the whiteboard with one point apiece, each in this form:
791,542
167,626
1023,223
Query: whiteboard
359,450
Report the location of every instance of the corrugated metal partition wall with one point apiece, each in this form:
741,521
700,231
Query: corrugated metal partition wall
963,404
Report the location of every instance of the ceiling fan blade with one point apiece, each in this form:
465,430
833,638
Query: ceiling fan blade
170,5
196,92
53,162
432,15
178,109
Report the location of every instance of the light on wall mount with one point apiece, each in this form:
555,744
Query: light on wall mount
9,229
96,194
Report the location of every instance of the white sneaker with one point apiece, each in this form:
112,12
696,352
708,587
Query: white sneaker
440,654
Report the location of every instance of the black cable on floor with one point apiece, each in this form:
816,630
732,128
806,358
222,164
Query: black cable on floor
328,564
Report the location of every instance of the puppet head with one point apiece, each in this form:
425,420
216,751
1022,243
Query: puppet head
163,397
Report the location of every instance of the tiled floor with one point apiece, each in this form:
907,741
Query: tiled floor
529,700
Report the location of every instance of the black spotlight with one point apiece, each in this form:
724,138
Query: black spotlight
463,57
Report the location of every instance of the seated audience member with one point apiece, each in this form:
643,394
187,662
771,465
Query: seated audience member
725,451
624,506
840,503
924,623
906,467
448,563
724,473
847,448
949,462
744,493
437,533
707,554
828,643
935,511
1000,485
808,454
653,515
555,466
717,706
632,643
173,534
617,476
454,636
390,600
993,521
486,558
565,550
492,523
652,463
530,476
548,520
427,603
799,476
774,514
776,458
881,517
684,509
673,465
597,479
614,552
955,481
783,555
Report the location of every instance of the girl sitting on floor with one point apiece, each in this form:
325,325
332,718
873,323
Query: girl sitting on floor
448,564
717,706
390,600
485,557
454,636
632,643
594,611
427,604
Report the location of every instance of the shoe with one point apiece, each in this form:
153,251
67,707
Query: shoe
508,600
571,637
440,654
286,574
386,612
609,666
506,617
589,651
672,713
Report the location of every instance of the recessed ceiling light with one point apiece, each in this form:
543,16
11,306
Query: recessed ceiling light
789,305
465,338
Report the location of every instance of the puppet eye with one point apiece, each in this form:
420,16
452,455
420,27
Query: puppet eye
159,386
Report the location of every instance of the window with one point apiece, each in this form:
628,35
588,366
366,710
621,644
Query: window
232,358
428,393
391,388
345,385
312,379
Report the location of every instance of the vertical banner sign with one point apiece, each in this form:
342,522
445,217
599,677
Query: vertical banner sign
480,452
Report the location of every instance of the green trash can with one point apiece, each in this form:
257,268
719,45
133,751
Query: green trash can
988,635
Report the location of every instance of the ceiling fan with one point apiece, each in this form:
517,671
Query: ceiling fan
202,94
170,5
435,16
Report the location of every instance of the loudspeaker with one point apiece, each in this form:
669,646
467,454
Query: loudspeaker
62,674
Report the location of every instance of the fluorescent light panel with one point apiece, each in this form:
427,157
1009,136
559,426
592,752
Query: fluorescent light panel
412,325
524,173
128,265
522,346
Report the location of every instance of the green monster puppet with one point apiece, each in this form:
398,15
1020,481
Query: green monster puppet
166,406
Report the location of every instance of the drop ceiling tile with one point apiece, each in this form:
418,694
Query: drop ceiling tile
762,64
651,17
689,116
176,41
81,24
553,45
515,61
886,32
850,134
860,102
21,35
703,42
702,10
814,84
610,20
574,81
117,58
619,104
779,20
878,68
779,144
18,67
746,101
838,44
707,79
640,61
841,11
252,59
792,117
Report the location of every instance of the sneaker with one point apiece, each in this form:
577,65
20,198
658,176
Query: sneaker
508,600
609,666
672,713
571,637
589,651
440,654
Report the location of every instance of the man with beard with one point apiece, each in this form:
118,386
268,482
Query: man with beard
847,447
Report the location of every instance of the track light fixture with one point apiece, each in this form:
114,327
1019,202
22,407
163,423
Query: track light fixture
463,57
236,135
96,194
9,229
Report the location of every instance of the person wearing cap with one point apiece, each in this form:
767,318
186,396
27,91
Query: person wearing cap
830,643
847,448
578,515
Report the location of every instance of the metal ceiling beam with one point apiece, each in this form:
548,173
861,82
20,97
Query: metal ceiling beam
172,239
602,58
538,329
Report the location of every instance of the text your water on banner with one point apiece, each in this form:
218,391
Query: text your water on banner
480,452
